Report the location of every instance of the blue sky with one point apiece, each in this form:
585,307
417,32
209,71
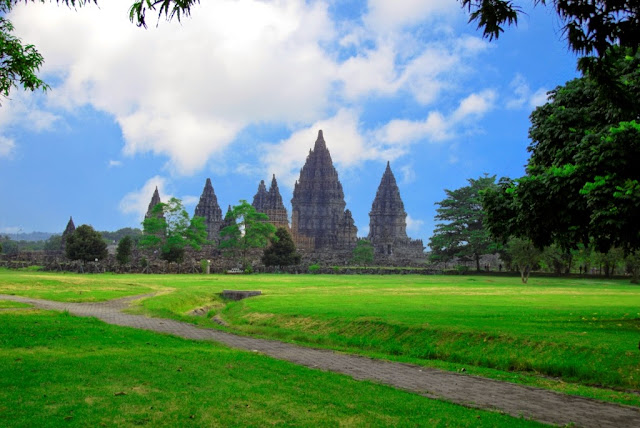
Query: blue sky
238,92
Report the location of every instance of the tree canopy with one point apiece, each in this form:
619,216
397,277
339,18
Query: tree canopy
282,251
362,253
247,229
582,182
462,231
169,231
85,244
123,251
591,27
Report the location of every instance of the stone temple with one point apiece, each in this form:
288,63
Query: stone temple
388,223
318,216
209,209
321,226
270,203
155,200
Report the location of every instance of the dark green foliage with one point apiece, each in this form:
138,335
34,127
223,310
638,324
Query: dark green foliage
582,182
463,231
54,243
123,251
362,253
169,231
524,255
85,244
591,27
168,8
133,233
248,229
282,251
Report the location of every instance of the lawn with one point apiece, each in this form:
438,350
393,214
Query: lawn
573,335
60,370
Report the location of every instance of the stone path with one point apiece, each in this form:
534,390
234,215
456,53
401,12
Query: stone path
516,400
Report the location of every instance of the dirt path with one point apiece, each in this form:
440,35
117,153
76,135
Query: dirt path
517,400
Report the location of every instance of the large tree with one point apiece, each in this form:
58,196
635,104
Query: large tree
85,244
282,251
169,231
591,27
462,231
582,182
247,229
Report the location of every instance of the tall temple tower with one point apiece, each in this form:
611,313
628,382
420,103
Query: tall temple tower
71,227
209,209
155,200
388,221
270,203
318,216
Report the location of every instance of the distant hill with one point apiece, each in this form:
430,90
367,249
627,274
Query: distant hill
31,236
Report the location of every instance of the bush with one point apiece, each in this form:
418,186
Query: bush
204,264
462,269
314,269
248,270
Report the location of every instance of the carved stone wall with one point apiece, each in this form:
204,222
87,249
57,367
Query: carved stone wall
270,203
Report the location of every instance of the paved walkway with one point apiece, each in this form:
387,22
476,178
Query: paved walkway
517,400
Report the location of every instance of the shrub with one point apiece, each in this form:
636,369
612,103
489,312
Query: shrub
314,269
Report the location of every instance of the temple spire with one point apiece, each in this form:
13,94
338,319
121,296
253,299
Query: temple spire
155,200
209,209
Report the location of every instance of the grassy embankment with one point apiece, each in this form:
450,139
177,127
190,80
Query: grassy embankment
59,370
574,336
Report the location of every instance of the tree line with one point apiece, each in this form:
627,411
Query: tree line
581,188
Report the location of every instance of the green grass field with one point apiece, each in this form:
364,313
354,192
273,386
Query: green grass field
59,370
574,336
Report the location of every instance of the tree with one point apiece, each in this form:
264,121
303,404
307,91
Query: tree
169,231
362,253
591,27
85,244
524,255
282,251
582,183
54,243
123,250
19,63
463,232
247,229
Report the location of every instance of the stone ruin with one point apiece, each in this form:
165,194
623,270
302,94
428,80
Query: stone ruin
209,209
321,227
270,203
319,220
388,224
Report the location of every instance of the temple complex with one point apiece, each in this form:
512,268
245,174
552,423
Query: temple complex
388,225
209,209
321,226
155,200
270,203
318,216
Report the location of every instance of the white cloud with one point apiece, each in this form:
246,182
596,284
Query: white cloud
475,105
190,200
137,201
11,229
185,90
414,225
114,163
347,146
538,98
387,16
7,146
408,174
523,96
437,127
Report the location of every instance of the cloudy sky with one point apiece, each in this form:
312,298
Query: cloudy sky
238,91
